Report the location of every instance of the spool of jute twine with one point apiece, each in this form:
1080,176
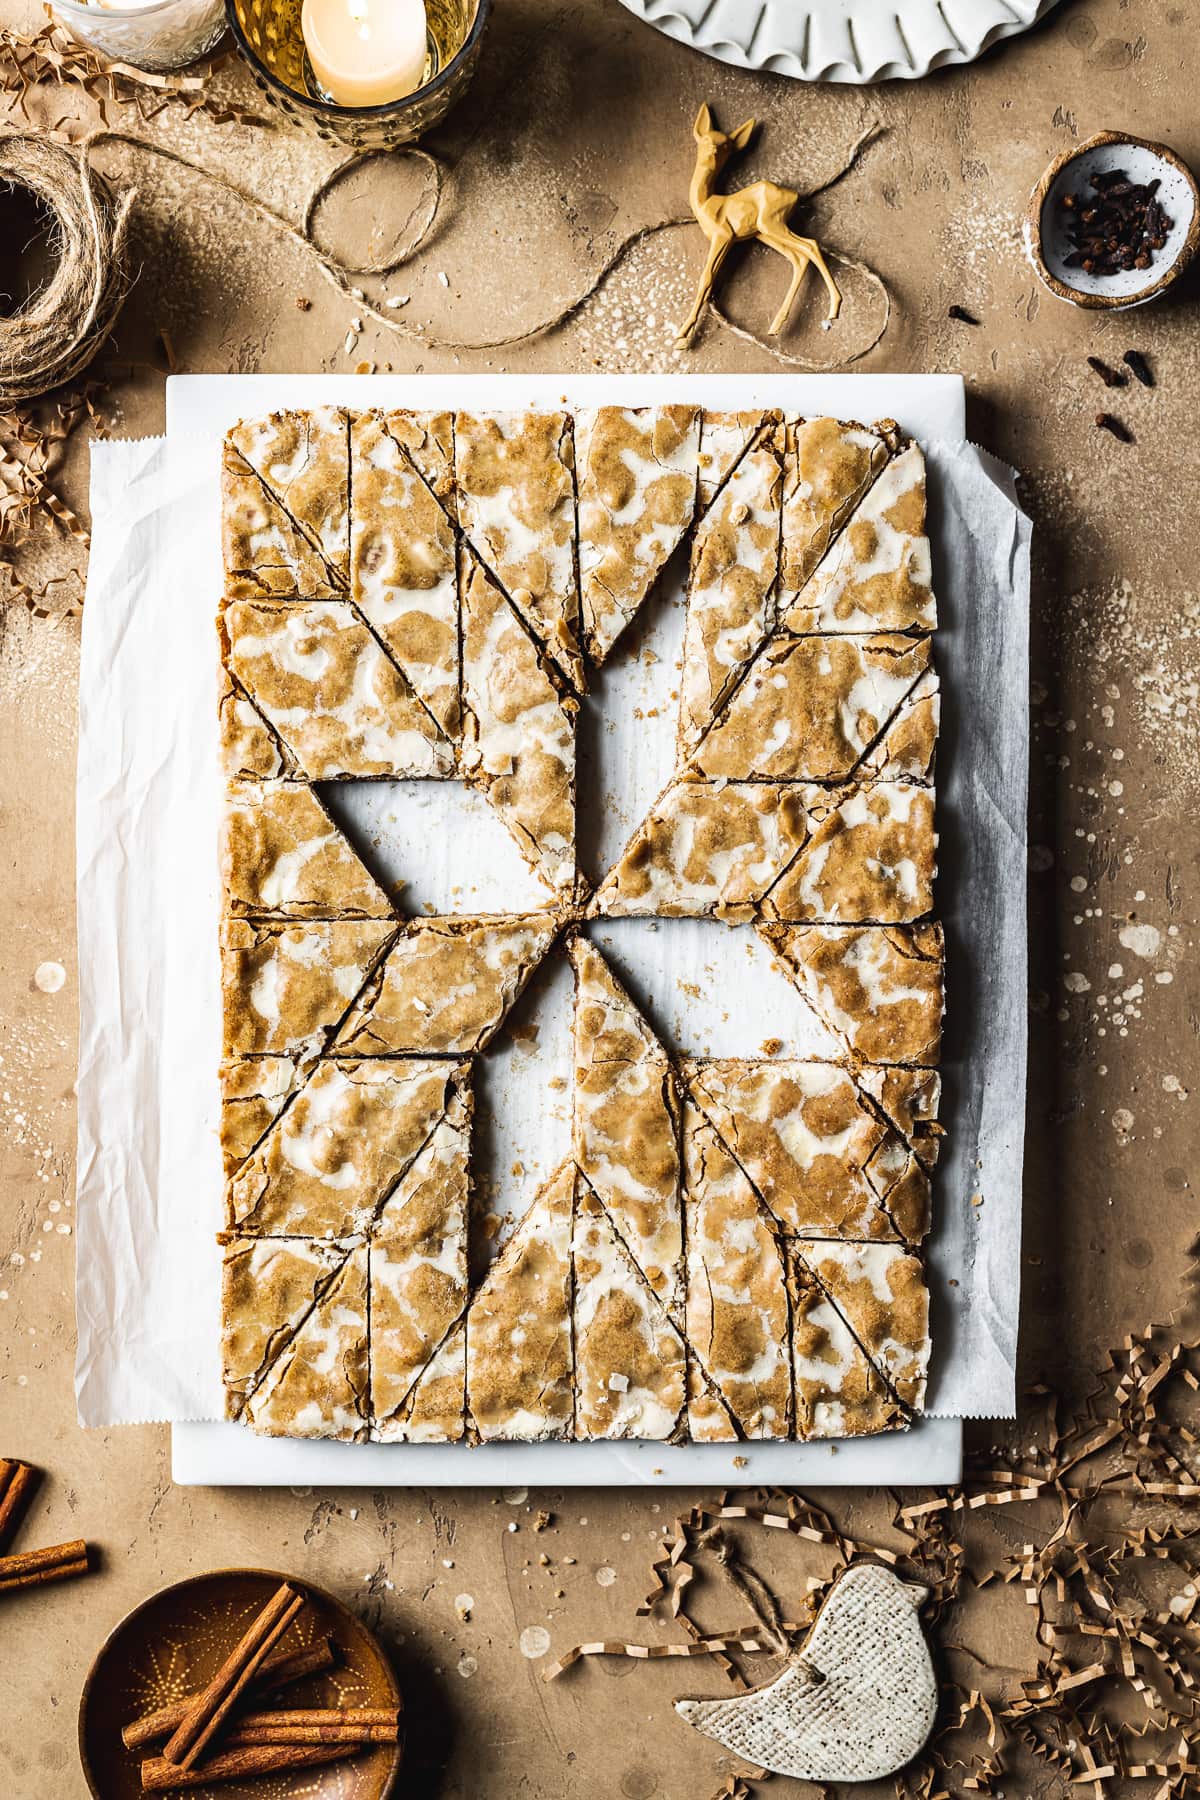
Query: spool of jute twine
57,333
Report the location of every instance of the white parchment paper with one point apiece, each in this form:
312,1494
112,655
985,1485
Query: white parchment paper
148,804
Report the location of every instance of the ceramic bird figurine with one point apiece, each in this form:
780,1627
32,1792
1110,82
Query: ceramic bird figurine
858,1702
758,211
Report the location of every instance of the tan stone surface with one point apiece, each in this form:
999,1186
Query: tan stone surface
578,130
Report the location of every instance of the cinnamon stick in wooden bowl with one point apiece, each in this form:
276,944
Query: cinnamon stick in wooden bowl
320,1696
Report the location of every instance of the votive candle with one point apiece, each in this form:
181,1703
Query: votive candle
366,52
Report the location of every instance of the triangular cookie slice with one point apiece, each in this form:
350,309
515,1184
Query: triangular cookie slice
446,986
709,849
253,1094
810,708
626,1126
285,988
637,471
303,460
434,1410
516,503
827,468
519,1356
879,988
419,1260
250,747
265,552
709,1420
737,1304
909,1098
338,703
907,749
804,1136
282,854
268,1288
871,858
331,1158
725,438
518,731
876,575
839,1391
403,551
428,439
317,1387
732,588
630,1362
880,1290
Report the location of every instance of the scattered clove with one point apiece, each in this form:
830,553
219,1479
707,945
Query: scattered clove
1109,376
1135,361
1121,432
962,315
1120,225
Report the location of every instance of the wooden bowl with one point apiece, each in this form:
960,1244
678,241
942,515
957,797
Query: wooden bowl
176,1640
1046,242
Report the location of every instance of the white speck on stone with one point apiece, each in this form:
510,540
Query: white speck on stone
515,1496
1122,1120
534,1641
1078,884
467,1666
1075,983
1115,971
49,977
464,1606
443,278
619,1384
605,1576
1143,940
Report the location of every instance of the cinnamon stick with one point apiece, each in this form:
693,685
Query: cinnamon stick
17,1482
312,1734
231,1765
30,1567
319,1715
278,1670
210,1708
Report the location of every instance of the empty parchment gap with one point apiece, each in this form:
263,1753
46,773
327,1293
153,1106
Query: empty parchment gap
437,847
522,1125
708,989
625,743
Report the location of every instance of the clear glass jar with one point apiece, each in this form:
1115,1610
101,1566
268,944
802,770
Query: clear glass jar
164,34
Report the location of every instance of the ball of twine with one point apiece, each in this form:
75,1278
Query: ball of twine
60,330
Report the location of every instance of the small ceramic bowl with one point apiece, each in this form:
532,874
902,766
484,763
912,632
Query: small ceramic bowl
1048,246
176,1640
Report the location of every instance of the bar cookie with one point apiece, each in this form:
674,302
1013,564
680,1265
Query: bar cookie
520,1362
516,503
446,986
403,550
637,471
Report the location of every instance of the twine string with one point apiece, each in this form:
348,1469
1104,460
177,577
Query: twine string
339,273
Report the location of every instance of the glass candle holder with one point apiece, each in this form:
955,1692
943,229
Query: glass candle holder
162,35
268,34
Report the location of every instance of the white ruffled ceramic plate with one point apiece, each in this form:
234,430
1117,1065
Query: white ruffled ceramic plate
841,40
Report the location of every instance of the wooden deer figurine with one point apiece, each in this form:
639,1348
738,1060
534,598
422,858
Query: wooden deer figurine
758,211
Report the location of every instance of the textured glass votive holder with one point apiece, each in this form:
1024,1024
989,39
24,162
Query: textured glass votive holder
268,35
162,35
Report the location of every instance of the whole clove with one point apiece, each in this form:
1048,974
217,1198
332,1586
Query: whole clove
1121,432
1109,376
1136,362
1120,225
962,315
